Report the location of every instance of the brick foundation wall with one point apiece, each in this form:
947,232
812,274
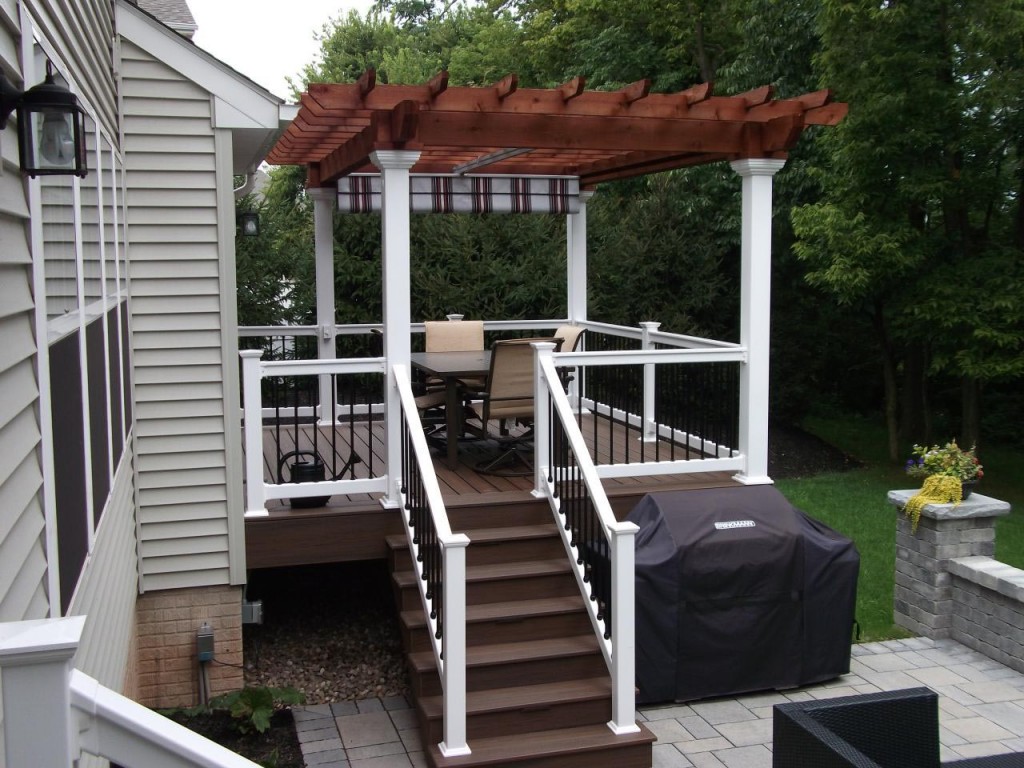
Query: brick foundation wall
167,670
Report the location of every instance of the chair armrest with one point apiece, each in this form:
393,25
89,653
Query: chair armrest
893,729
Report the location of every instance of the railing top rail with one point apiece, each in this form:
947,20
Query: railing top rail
315,367
644,356
421,453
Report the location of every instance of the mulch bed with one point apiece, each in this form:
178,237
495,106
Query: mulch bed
278,747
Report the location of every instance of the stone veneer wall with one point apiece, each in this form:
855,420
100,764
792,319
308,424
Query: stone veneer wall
167,669
948,584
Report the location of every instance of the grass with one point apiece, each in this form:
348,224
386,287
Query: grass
854,503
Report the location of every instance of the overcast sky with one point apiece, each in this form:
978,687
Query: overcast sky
266,40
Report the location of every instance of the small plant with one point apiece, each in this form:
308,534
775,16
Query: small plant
252,706
949,460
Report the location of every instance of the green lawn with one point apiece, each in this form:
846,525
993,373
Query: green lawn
854,504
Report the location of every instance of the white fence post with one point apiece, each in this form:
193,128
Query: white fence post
650,393
623,629
36,664
252,409
541,420
454,646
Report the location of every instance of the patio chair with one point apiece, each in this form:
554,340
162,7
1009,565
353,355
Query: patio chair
893,729
446,336
572,336
507,397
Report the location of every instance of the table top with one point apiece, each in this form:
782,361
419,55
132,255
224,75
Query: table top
452,364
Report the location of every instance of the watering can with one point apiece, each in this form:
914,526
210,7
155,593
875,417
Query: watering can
304,470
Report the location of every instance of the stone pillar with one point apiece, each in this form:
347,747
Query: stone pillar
922,598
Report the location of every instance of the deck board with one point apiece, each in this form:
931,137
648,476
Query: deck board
353,527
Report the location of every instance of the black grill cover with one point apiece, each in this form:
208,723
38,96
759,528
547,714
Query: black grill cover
738,591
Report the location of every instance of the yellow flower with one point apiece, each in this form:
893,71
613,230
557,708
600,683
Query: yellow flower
937,489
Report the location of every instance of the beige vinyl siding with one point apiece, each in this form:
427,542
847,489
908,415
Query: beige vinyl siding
107,590
22,519
176,295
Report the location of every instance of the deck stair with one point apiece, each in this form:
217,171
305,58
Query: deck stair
538,689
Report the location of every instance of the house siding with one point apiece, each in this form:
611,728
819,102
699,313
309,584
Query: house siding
177,317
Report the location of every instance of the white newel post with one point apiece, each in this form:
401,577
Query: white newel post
755,313
623,629
394,169
650,391
35,671
454,645
323,233
252,413
542,350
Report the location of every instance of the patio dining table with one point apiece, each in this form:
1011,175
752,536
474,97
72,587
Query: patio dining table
450,367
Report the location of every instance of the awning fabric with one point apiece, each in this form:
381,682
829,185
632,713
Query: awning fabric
361,193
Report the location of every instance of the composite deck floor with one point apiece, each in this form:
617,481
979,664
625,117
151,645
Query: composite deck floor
464,485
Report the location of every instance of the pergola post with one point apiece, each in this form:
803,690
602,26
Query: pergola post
324,199
755,313
394,168
576,268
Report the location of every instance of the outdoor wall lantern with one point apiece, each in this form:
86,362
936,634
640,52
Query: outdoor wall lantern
51,127
249,223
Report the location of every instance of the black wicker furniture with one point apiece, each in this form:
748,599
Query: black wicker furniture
894,729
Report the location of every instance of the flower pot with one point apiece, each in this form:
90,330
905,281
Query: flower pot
967,488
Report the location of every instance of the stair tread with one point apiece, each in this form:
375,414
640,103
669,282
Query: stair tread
528,650
498,571
517,697
512,609
498,750
511,533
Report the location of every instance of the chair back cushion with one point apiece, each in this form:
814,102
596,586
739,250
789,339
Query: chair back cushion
510,381
570,336
454,335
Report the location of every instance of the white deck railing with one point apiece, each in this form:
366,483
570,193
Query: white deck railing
441,584
617,633
53,714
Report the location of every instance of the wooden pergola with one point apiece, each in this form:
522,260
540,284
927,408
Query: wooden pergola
391,135
567,131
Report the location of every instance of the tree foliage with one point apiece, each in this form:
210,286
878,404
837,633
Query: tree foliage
898,235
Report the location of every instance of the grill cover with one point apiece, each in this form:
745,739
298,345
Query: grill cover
738,591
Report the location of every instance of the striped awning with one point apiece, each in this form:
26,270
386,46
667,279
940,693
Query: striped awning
361,193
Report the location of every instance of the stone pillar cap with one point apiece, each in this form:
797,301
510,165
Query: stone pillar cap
975,505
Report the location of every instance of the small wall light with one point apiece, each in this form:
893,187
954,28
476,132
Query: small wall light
249,222
51,127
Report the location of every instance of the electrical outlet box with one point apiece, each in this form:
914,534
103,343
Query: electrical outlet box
252,611
204,642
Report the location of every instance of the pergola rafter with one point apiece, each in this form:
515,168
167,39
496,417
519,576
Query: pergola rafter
565,131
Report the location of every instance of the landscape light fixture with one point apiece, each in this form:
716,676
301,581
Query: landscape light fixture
249,223
51,127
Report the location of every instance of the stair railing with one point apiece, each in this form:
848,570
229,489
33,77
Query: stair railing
600,548
439,561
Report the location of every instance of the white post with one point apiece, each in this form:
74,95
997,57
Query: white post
576,268
650,391
252,411
323,234
454,645
623,629
541,420
755,313
35,667
394,166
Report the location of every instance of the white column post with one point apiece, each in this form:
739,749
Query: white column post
623,629
650,434
324,199
541,421
454,646
252,412
35,666
755,313
394,166
576,268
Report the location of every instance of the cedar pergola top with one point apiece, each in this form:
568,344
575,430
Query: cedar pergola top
566,131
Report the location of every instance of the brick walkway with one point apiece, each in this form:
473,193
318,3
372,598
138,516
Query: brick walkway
981,705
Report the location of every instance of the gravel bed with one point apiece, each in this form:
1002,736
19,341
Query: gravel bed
330,631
